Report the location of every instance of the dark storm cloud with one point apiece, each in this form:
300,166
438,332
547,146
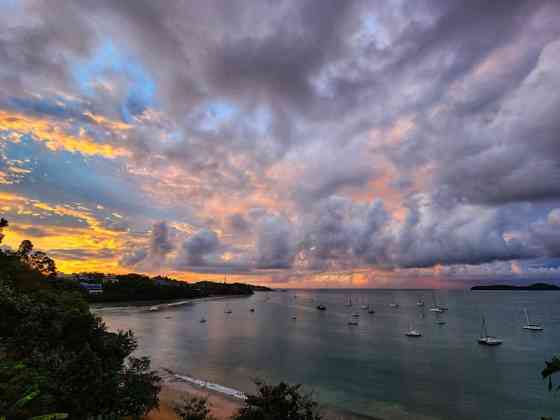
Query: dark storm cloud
274,244
159,241
336,113
197,247
238,223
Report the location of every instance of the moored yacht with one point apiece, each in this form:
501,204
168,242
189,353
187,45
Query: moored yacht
413,332
530,326
485,339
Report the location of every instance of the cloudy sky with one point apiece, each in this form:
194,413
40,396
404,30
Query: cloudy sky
306,143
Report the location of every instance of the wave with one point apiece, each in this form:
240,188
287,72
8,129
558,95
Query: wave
183,302
211,386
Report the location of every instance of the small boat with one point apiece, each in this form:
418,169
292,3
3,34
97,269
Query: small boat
394,305
529,326
203,320
228,311
365,306
435,307
294,317
370,311
349,302
412,332
168,317
485,339
154,308
252,310
420,302
355,315
353,322
321,307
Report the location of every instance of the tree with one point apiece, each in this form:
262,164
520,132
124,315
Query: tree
25,249
194,408
3,224
280,402
72,363
141,388
42,263
551,368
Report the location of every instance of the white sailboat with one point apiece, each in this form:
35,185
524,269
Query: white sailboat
485,339
412,332
530,326
435,307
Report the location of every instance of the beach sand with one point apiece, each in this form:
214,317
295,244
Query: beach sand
222,406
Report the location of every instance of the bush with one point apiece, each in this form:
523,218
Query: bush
280,402
194,408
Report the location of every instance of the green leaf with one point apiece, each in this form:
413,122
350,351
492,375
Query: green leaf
27,398
54,416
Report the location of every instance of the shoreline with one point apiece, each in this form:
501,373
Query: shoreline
146,304
222,406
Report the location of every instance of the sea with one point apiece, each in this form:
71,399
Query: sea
370,370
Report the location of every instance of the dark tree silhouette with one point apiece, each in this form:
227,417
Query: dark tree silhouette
25,249
42,263
279,402
3,224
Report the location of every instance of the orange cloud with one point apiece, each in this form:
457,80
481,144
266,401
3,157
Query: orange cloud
54,134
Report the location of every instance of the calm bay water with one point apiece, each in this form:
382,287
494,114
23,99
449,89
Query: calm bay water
371,369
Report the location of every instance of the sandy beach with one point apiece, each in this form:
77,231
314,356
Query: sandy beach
222,406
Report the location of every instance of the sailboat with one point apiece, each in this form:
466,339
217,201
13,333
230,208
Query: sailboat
370,310
394,305
435,307
485,339
202,320
420,302
228,310
412,332
154,308
353,322
530,326
349,302
439,321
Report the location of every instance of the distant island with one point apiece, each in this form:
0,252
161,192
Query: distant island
536,286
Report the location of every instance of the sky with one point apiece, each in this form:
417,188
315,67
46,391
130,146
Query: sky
294,143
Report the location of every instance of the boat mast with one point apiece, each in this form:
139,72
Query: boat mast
527,316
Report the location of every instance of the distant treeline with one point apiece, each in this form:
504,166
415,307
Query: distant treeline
137,287
536,286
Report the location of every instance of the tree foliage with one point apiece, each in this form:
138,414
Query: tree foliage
551,368
57,357
194,408
279,402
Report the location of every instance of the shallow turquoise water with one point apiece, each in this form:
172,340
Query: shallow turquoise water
372,369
